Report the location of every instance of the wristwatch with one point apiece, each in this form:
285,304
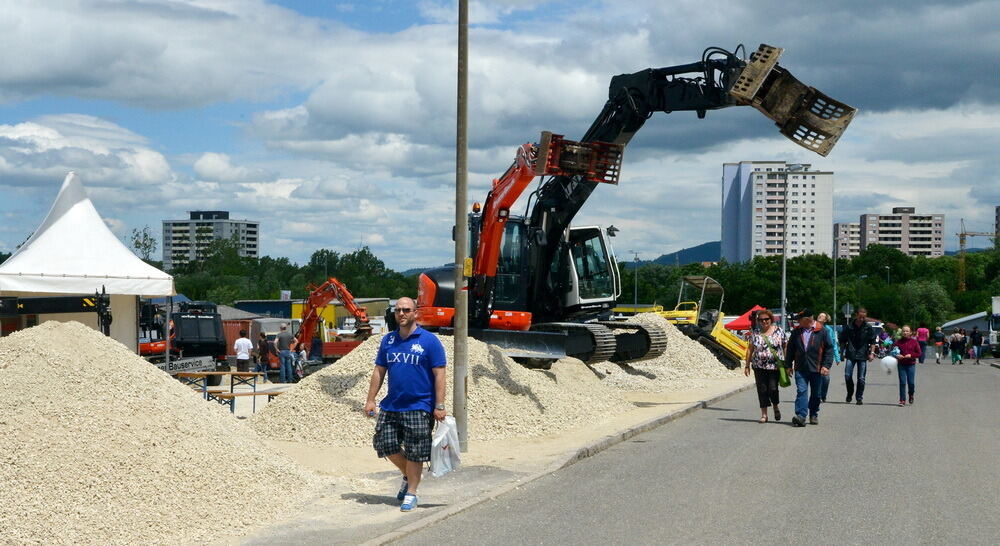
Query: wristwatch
439,406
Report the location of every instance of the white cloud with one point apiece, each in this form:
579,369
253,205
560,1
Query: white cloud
38,151
219,168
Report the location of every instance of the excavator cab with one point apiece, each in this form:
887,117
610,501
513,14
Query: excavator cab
589,272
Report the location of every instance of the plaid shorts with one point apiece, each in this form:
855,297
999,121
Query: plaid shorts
396,430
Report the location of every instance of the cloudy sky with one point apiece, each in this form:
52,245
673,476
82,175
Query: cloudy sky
332,122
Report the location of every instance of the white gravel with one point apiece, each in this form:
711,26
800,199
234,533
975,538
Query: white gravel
686,364
99,446
505,400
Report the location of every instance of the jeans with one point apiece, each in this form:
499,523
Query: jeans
979,351
849,377
807,385
824,386
923,350
287,372
907,375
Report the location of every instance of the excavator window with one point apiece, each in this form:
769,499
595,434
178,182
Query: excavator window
592,269
511,264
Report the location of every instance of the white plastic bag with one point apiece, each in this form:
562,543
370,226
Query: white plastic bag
889,364
444,448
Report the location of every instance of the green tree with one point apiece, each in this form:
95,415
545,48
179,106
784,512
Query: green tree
924,301
143,243
4,256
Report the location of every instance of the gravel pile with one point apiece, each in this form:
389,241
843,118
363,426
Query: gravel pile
99,446
505,400
686,364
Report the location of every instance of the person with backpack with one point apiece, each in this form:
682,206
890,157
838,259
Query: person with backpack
956,343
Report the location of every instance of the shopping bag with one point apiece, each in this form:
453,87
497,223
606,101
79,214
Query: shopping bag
444,448
783,379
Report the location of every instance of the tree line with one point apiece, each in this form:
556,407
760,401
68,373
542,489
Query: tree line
893,287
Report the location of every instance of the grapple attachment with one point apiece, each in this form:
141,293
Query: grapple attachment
595,161
806,116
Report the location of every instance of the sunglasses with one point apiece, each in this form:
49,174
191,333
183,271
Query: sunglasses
403,310
764,320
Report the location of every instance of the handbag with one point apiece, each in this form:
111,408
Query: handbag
779,364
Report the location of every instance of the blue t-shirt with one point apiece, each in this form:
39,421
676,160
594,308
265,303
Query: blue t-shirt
410,362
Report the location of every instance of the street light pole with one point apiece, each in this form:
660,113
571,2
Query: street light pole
836,247
886,274
461,367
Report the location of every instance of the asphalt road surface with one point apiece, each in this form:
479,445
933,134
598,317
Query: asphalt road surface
873,474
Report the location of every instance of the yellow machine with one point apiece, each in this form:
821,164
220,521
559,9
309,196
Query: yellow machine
685,312
626,309
707,326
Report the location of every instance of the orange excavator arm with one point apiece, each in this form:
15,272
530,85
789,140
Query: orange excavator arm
321,296
553,155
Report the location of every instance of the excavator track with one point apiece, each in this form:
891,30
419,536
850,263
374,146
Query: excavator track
590,342
719,352
636,341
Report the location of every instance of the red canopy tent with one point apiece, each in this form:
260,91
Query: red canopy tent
743,322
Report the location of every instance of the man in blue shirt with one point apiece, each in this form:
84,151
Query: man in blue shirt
414,359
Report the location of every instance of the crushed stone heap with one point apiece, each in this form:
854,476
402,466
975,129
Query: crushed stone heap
686,364
99,446
506,400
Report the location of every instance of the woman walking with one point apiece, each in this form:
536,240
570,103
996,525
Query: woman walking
957,344
824,388
940,349
923,334
763,354
909,352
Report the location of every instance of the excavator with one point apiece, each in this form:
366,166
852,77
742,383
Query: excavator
321,296
539,287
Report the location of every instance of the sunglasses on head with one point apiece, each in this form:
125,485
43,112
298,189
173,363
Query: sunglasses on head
404,310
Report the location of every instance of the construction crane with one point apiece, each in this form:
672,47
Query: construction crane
961,251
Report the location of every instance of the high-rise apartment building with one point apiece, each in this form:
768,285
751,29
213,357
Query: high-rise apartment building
846,239
761,198
913,234
186,241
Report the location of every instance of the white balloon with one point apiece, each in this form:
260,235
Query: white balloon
889,364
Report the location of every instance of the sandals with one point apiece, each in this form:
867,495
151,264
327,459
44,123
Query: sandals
777,414
762,420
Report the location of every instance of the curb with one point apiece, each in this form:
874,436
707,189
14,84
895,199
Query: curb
995,365
582,453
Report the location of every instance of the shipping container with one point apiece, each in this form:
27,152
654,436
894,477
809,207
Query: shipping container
232,330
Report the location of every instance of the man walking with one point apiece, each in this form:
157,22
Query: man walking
284,343
976,340
243,347
414,359
810,353
859,341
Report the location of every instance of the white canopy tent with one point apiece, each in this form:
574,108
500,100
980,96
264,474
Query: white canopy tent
74,252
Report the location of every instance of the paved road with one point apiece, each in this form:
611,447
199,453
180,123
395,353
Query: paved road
873,474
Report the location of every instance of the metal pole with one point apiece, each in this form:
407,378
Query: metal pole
784,253
635,302
461,234
836,248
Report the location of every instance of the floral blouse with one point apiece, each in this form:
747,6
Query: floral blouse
763,356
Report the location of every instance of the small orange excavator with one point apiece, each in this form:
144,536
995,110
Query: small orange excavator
321,296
